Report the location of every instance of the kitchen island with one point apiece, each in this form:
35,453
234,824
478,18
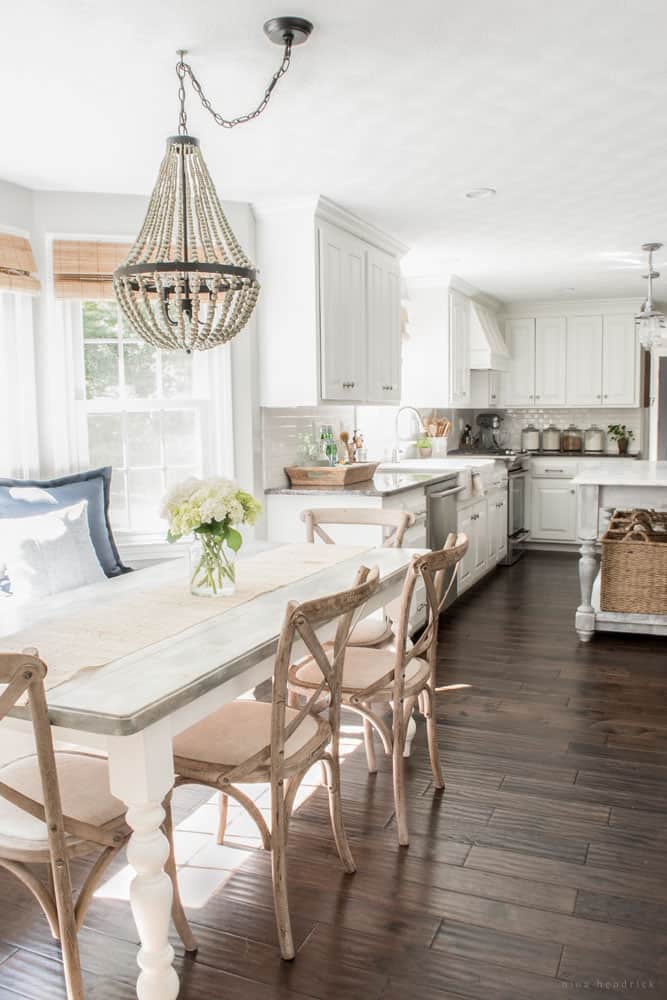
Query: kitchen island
600,490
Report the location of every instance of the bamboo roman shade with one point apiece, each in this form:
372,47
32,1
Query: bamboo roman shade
83,269
18,272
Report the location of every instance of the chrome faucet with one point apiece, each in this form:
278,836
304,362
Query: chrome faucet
397,450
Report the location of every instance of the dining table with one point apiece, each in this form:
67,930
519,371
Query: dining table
137,659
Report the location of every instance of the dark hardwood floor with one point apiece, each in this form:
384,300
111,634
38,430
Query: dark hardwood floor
540,872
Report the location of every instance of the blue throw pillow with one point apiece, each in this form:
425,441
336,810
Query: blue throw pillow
93,486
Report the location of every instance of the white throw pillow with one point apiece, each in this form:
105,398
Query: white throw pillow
49,553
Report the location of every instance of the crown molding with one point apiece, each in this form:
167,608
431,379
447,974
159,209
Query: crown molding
324,210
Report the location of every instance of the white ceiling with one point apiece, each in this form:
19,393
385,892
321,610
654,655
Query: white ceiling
392,109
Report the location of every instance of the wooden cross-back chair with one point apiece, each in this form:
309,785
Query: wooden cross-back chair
376,630
404,677
34,827
249,741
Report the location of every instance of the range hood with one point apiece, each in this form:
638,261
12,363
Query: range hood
488,350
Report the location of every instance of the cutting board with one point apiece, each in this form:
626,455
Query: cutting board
331,475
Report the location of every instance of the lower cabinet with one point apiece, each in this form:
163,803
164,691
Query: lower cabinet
553,510
497,516
473,521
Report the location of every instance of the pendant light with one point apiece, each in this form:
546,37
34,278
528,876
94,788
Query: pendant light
650,321
187,283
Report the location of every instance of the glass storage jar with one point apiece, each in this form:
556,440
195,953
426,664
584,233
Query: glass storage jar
572,439
530,438
551,438
594,440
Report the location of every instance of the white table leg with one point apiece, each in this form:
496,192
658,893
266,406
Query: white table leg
141,774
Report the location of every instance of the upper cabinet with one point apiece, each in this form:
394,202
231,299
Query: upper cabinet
587,360
518,383
436,352
536,372
343,303
603,361
620,361
329,307
550,360
584,361
384,327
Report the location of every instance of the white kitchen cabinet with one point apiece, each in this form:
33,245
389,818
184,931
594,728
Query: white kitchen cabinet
473,521
342,284
518,382
459,349
553,510
620,362
584,361
497,526
466,526
383,283
485,390
550,360
436,353
328,315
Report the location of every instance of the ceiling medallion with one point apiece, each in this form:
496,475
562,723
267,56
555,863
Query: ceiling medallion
187,283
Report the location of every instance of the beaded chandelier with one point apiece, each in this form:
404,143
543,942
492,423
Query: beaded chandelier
187,283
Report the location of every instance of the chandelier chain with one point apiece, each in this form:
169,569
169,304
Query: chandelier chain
184,69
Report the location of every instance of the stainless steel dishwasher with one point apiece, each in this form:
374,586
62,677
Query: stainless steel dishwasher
441,515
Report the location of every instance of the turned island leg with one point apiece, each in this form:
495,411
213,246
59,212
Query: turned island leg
587,531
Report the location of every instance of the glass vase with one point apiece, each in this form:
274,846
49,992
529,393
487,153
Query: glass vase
212,567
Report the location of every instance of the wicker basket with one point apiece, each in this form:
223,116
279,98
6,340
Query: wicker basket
633,576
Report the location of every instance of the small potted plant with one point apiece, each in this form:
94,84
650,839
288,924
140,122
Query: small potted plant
209,510
423,446
622,435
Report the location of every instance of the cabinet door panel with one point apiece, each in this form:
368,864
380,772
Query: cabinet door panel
518,382
553,510
481,538
466,526
342,315
550,360
459,349
620,360
584,361
384,334
501,528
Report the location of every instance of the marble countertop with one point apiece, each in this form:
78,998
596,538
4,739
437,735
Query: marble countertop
637,473
383,484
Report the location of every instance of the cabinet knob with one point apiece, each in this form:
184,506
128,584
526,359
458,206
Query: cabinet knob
598,396
573,491
606,396
537,397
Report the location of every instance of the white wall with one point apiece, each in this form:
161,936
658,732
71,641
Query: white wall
15,207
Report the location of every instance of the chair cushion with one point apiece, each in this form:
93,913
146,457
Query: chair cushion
363,667
84,792
238,730
26,497
370,632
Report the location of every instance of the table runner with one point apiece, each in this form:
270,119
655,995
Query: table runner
88,638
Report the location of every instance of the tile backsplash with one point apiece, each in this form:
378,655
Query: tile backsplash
282,427
516,420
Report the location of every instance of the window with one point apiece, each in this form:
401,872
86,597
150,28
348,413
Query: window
155,416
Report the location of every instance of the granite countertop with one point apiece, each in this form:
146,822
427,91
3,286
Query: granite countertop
639,473
383,484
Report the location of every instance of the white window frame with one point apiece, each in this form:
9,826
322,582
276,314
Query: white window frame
215,414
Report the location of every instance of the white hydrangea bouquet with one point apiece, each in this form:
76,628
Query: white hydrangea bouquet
210,509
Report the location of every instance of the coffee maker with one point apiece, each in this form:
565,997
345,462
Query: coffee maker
489,426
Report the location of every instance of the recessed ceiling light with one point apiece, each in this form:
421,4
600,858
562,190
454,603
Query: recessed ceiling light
480,193
565,291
